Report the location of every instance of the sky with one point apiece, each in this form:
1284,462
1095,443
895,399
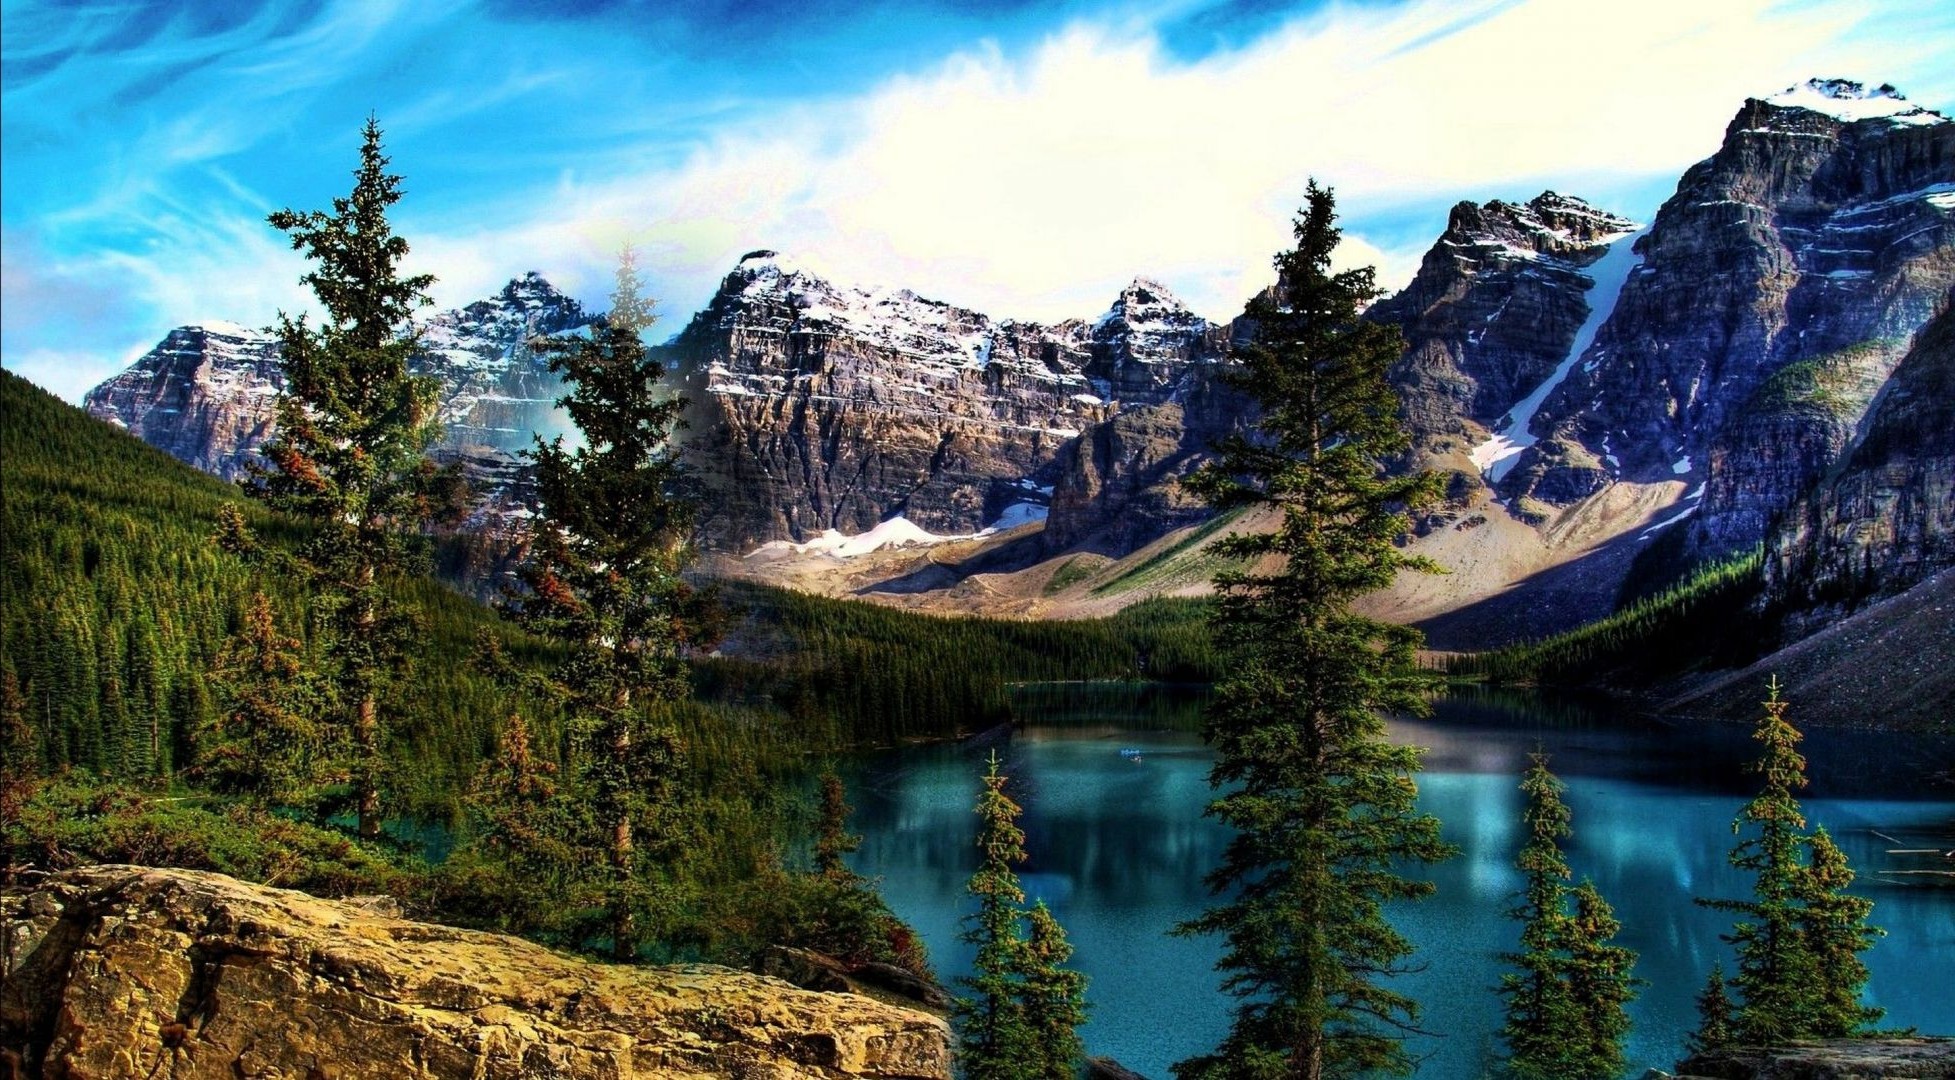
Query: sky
1025,158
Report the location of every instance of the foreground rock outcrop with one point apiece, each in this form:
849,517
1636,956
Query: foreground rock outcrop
120,971
1838,1059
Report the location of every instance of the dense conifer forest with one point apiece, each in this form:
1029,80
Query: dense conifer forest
119,603
1687,626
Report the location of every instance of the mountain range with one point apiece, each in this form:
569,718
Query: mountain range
1766,363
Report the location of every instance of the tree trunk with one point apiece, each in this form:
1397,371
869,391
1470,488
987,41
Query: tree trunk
366,721
624,934
366,729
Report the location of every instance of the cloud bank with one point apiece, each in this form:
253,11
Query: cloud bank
1029,179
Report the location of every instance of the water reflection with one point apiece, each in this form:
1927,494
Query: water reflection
1119,845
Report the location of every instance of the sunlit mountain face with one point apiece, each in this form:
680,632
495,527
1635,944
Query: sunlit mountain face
1027,158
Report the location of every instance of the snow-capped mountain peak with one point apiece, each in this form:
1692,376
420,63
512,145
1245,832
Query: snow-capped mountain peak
1849,101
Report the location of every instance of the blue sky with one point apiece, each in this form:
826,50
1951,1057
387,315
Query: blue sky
1025,157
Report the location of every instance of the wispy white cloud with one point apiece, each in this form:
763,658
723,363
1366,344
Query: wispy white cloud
1030,181
1036,184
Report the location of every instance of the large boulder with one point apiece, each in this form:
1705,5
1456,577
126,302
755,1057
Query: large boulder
120,971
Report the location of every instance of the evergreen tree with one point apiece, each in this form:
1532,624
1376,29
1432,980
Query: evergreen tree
1775,967
1836,933
832,838
1716,1024
264,741
994,1040
1322,804
1052,998
20,765
350,458
1600,987
518,816
1541,1015
602,575
1566,1006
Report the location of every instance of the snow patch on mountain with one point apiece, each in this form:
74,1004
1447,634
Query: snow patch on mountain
1500,451
1845,100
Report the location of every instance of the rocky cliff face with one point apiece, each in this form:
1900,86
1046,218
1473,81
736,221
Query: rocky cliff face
1495,307
819,406
1822,233
207,393
122,971
1886,519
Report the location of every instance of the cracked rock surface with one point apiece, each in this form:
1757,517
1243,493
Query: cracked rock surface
121,971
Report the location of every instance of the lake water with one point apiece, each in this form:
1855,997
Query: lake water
1118,847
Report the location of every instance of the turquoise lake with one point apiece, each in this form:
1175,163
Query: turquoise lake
1118,847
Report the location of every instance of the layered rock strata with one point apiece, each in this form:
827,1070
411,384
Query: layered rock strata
1886,520
1821,233
207,393
819,406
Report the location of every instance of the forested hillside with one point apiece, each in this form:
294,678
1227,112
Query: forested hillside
117,601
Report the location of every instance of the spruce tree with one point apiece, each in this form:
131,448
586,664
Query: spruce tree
521,820
1567,1005
1775,967
1836,933
1600,987
20,765
1800,936
264,741
1541,1014
602,575
1323,805
1052,998
832,838
1715,1015
354,426
991,1023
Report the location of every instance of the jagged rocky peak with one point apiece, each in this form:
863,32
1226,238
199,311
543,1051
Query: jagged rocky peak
1803,253
1144,344
1851,102
772,292
207,393
1548,224
822,405
1147,303
498,329
1494,310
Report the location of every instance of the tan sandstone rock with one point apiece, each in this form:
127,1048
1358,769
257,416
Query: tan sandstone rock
120,971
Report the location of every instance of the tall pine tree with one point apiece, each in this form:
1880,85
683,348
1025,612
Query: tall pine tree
1052,998
350,456
265,740
1567,1011
1836,932
1799,936
1600,985
1323,805
832,837
1774,966
602,575
1540,1012
991,1023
